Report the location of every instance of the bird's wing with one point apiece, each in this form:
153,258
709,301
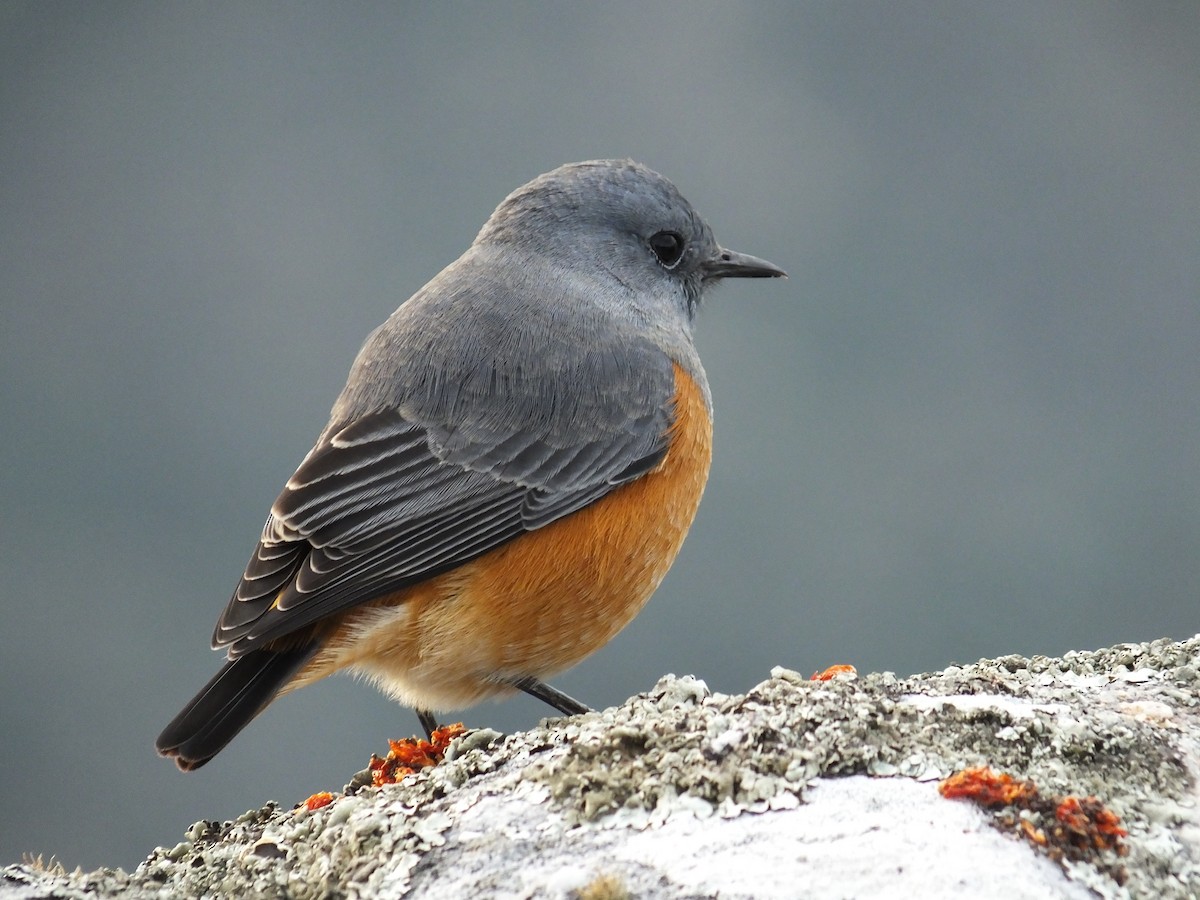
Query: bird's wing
383,501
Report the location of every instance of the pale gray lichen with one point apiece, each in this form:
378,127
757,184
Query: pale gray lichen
1122,724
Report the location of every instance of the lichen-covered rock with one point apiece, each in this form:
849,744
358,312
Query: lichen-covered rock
799,787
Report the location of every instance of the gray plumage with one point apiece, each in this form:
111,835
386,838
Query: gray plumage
528,379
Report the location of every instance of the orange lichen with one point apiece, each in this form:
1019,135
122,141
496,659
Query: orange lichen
316,801
1034,834
1088,824
987,788
833,672
1063,827
407,755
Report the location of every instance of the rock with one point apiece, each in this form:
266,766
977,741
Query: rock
819,788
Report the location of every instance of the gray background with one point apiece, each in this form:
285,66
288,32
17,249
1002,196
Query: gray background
967,425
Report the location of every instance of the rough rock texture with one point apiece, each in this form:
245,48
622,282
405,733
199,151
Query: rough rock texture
799,787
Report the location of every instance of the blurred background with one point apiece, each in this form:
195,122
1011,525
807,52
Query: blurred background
967,425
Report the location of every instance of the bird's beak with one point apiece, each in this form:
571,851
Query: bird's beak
731,264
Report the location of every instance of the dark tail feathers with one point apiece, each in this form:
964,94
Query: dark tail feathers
227,704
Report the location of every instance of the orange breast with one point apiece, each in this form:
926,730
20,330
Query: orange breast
540,603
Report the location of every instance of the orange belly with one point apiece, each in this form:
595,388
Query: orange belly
540,603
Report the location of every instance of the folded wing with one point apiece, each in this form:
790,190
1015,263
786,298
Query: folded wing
383,502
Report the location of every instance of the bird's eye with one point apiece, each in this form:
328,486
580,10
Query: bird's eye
668,247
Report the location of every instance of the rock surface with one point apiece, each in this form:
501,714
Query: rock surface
799,787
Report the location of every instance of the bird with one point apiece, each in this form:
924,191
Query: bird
507,475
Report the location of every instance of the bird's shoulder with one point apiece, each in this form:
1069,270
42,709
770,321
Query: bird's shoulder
486,351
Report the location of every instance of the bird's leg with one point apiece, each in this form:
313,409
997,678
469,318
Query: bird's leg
428,722
564,704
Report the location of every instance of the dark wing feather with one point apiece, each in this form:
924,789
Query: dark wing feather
381,503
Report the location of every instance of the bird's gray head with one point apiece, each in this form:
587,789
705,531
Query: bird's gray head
625,219
587,277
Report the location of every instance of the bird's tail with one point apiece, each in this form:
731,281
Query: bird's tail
227,704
